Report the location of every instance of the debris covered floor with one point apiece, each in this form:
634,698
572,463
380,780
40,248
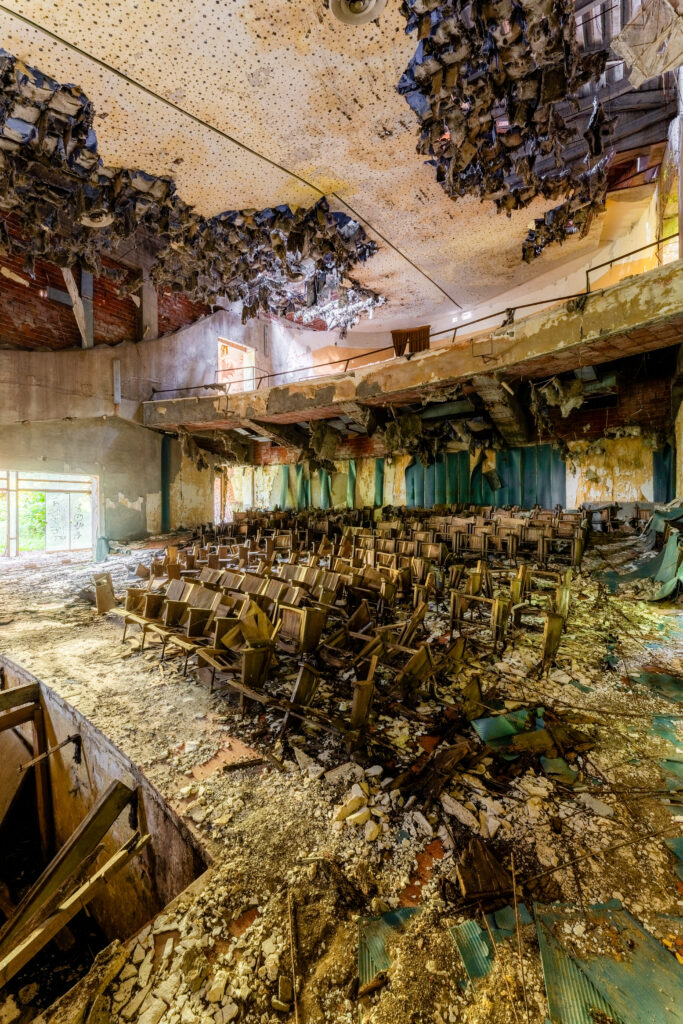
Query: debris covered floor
287,860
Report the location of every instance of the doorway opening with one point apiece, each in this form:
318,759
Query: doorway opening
48,512
236,365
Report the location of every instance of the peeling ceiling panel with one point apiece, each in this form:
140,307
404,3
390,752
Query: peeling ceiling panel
315,96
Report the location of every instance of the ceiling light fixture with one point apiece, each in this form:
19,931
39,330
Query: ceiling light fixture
467,316
357,12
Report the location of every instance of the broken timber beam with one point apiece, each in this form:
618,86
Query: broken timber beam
18,695
76,849
82,304
45,932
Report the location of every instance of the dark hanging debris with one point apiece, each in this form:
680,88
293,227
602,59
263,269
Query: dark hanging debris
71,208
486,82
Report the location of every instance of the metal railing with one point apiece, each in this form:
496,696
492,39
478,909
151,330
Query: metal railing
508,314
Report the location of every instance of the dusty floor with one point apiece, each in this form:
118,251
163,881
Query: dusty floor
222,954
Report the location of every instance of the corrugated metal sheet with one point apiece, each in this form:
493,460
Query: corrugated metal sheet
638,982
373,935
571,996
474,946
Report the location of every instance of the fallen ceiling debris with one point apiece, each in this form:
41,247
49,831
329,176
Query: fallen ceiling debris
486,83
71,208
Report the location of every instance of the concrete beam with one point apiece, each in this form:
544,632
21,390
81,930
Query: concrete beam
504,409
639,314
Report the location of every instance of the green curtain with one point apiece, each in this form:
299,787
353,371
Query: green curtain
325,494
351,485
430,485
663,474
379,483
440,470
284,486
509,468
544,477
300,486
415,484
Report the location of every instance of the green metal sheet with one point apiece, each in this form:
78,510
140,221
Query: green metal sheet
475,948
373,935
676,847
571,996
633,978
474,942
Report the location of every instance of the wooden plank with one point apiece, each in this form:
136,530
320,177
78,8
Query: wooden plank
39,937
11,719
43,790
81,843
17,695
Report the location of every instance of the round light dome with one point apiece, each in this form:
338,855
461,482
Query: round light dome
357,12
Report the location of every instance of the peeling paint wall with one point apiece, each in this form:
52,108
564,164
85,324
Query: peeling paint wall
679,450
622,471
191,491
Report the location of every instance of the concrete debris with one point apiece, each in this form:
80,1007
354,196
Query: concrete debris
391,825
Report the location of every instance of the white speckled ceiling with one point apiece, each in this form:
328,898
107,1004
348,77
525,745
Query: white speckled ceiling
315,96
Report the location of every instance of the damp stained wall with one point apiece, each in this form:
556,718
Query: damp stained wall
620,470
679,450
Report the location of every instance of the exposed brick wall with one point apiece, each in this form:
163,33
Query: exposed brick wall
29,320
644,403
116,316
176,311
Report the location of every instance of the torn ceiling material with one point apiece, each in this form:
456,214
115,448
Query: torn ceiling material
485,82
652,41
71,208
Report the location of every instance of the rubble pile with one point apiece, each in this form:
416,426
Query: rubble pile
347,888
68,207
491,85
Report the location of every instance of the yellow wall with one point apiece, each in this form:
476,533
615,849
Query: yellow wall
622,472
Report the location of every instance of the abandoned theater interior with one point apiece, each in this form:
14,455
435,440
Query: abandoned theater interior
341,512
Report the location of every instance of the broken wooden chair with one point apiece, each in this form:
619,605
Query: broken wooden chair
349,638
301,627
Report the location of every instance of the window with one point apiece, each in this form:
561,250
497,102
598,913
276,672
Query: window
46,512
